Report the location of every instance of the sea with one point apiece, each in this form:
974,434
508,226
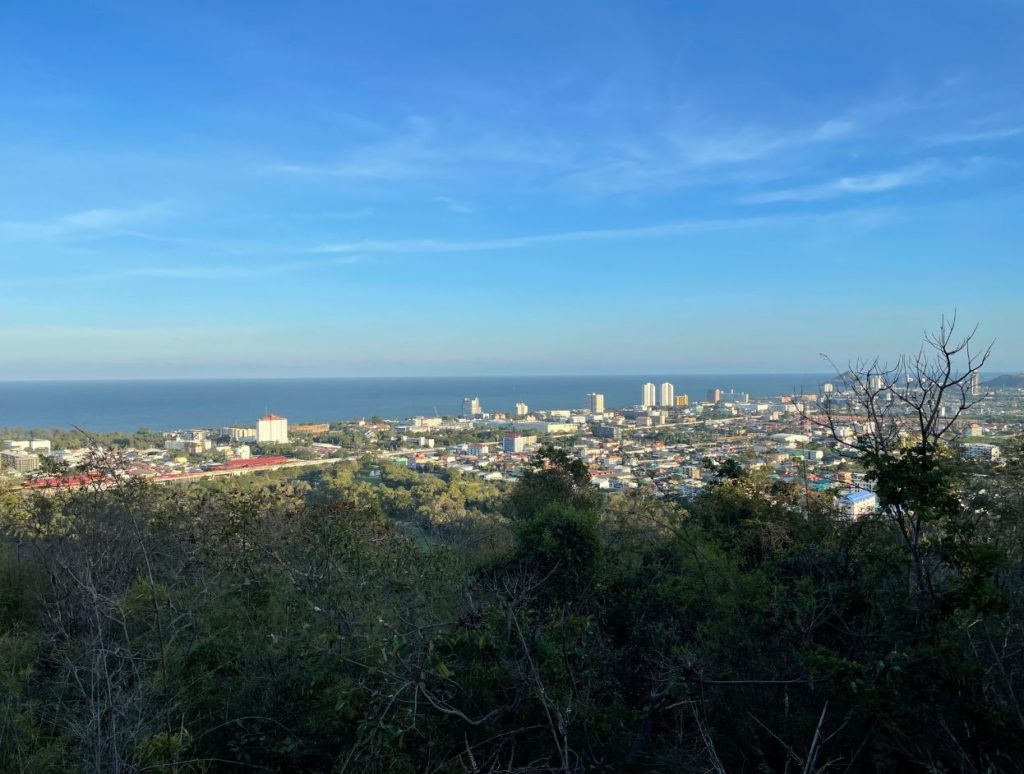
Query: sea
127,405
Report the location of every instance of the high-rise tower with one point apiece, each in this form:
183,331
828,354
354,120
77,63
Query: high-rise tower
649,394
667,395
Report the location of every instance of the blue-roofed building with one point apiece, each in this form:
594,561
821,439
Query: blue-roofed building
857,503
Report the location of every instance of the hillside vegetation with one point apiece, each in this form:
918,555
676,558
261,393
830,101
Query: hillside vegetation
405,623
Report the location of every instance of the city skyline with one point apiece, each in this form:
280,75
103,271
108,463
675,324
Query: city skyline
256,191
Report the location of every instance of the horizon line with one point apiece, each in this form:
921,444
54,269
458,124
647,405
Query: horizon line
638,374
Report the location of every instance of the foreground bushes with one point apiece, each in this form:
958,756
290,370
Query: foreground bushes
332,626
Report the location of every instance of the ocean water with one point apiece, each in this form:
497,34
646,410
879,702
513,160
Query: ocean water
106,406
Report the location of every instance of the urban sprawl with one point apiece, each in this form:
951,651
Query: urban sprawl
668,443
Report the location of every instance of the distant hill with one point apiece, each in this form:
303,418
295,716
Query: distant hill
1005,381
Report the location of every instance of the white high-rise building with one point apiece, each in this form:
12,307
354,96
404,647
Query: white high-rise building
668,394
272,429
595,402
471,407
522,409
649,394
975,383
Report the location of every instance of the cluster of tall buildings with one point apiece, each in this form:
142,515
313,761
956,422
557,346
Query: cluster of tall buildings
653,395
663,396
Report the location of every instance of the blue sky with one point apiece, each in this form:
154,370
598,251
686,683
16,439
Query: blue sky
317,188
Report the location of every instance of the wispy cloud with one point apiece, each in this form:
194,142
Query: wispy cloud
688,151
108,220
876,182
753,144
672,228
688,148
196,273
654,152
969,137
656,157
423,150
231,271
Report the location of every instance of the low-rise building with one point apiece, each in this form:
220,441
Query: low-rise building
608,431
19,461
982,451
311,428
70,456
859,502
240,434
514,443
424,423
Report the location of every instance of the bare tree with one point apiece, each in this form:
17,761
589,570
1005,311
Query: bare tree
919,398
907,413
